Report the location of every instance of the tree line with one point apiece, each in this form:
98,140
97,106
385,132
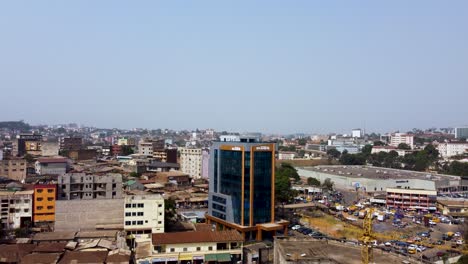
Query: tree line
420,160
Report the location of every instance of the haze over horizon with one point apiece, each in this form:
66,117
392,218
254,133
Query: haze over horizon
267,66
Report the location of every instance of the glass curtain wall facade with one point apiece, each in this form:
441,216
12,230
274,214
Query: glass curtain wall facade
242,183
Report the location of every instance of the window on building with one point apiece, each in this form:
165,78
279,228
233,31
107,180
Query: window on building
26,201
133,222
198,248
128,222
39,208
160,213
114,186
50,199
114,194
128,214
140,205
39,190
146,221
26,210
159,222
50,207
172,249
134,205
210,248
128,206
39,199
140,214
185,249
159,205
139,222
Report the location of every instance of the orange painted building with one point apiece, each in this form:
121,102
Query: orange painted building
44,202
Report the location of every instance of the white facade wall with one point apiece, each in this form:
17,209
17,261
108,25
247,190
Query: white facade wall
448,150
15,206
191,162
286,156
370,184
356,133
398,138
144,212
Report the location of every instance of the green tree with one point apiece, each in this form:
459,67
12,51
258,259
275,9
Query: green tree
313,182
379,143
169,211
302,141
328,184
366,150
29,158
352,159
333,153
127,150
288,170
403,146
283,191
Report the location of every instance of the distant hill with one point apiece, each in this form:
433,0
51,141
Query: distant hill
15,125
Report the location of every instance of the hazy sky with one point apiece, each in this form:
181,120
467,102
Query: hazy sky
269,66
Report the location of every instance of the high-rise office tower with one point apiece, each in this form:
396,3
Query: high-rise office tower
242,187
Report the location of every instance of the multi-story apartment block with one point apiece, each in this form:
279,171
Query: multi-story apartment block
44,202
14,169
461,132
27,143
144,214
145,148
411,199
191,161
205,163
51,166
16,209
398,138
71,143
80,186
450,149
242,187
126,141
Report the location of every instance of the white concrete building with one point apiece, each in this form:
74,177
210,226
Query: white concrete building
450,149
144,214
401,152
286,155
191,161
398,138
356,133
16,209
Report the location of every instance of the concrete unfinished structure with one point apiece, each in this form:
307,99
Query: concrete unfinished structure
80,186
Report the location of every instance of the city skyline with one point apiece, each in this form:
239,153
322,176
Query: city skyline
271,66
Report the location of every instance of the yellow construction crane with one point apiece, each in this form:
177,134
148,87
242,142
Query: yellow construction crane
367,238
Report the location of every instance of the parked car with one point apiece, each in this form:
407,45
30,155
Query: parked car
296,227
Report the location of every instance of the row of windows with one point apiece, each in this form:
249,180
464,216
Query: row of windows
48,199
6,170
18,201
139,205
140,222
158,248
134,214
42,207
134,222
48,190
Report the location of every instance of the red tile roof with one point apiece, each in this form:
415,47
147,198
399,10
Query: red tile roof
196,237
